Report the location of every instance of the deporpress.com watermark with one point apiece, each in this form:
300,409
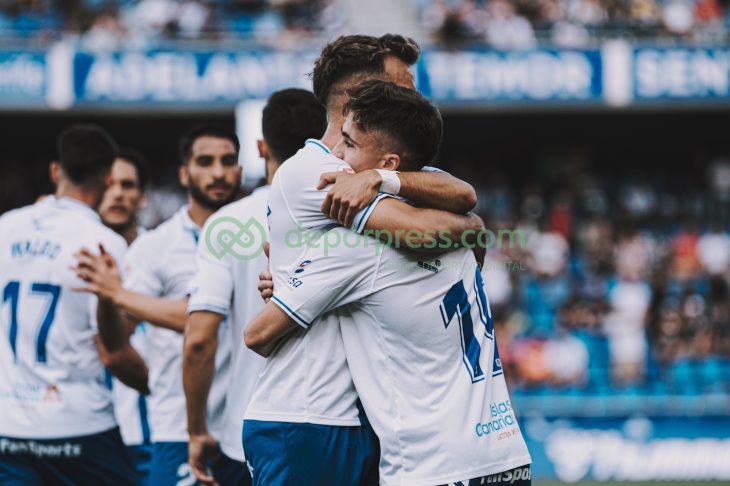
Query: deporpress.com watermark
228,236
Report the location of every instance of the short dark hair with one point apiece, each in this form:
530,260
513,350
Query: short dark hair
350,55
135,158
290,117
404,116
204,130
85,153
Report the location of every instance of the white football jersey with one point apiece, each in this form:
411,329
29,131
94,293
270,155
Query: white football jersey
226,283
51,378
420,344
305,379
161,263
130,406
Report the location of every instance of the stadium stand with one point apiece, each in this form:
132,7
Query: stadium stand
611,298
499,23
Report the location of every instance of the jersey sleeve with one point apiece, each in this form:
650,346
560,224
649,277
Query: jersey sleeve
140,268
212,287
361,219
333,272
298,185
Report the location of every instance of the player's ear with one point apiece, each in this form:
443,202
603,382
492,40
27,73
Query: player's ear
54,171
184,176
264,152
390,161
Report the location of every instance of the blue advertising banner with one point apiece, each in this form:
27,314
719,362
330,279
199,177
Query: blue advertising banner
618,74
681,73
23,78
629,449
545,75
165,76
227,77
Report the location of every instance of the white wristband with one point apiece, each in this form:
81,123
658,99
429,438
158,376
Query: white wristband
391,181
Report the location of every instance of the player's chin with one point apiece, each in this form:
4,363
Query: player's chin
116,219
221,197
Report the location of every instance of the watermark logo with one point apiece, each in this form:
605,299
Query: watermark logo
228,236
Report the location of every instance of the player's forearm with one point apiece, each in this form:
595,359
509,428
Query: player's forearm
113,331
427,230
198,370
128,366
437,190
267,329
158,311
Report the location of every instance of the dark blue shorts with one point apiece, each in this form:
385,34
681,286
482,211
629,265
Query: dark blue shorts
170,467
294,454
99,459
141,456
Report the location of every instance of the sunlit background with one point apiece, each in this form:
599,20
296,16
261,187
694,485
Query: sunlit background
598,129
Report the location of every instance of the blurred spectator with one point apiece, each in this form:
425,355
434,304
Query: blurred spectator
566,359
109,24
678,17
571,23
713,250
506,29
549,253
624,326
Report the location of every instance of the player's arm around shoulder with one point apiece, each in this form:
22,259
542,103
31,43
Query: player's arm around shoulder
437,189
422,229
429,187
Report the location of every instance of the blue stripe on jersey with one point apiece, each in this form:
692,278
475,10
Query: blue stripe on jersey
291,313
108,379
144,422
366,214
318,144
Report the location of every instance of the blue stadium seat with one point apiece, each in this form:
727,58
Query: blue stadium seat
683,377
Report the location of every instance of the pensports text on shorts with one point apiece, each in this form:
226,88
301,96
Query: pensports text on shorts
38,449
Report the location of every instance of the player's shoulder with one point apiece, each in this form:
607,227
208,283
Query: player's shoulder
108,237
151,241
243,207
314,155
17,214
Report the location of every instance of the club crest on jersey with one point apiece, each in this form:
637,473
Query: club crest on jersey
302,265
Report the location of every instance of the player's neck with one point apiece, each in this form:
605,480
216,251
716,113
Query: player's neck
198,213
64,189
334,129
130,234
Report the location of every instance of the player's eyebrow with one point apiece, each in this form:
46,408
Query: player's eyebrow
349,138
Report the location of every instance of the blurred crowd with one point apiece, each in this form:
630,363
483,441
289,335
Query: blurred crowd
520,24
598,287
102,24
508,24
